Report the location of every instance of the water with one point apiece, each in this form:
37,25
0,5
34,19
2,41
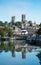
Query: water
9,55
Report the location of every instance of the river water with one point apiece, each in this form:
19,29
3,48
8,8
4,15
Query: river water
10,55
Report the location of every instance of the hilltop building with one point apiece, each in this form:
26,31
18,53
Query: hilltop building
28,26
13,19
24,21
23,18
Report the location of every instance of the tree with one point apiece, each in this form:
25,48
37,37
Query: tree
2,33
9,31
39,31
40,25
18,24
1,23
5,23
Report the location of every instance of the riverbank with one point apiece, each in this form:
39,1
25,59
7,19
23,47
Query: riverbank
32,40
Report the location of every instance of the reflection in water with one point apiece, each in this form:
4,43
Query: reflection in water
23,53
39,57
8,46
13,52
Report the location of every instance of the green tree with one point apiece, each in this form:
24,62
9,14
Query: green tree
5,23
9,31
2,33
18,24
1,23
40,25
39,31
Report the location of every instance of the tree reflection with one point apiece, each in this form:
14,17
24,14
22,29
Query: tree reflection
6,46
39,57
9,46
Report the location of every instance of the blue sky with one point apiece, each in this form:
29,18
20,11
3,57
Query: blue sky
31,8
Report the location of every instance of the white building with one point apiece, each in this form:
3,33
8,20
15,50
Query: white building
24,31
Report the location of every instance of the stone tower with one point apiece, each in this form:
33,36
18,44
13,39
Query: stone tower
23,18
13,19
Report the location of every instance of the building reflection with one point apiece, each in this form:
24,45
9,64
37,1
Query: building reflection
13,52
8,46
23,53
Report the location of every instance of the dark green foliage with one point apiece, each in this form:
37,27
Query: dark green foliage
18,24
1,23
39,31
9,31
40,25
2,33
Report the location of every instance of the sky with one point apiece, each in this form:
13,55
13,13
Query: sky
31,8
